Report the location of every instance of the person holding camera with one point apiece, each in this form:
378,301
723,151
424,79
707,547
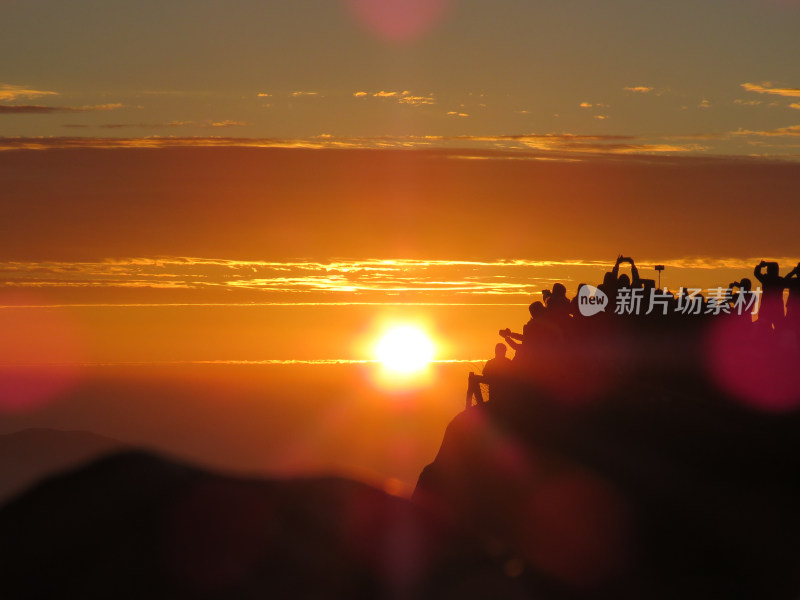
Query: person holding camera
792,281
742,301
537,335
623,281
770,313
613,281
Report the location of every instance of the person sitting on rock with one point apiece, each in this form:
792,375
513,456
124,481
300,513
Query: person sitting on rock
497,372
537,334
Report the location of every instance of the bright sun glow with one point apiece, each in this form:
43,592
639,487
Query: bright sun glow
405,349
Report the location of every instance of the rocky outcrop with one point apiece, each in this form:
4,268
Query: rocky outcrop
662,488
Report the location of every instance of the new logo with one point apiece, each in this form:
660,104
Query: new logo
591,300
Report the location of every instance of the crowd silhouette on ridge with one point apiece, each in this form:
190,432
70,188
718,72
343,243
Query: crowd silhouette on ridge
633,306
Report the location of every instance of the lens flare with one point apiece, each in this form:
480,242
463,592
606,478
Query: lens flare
399,20
756,366
40,350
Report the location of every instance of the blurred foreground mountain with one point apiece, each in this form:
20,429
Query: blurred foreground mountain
661,487
30,455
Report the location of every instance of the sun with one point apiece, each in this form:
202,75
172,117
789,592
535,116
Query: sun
404,349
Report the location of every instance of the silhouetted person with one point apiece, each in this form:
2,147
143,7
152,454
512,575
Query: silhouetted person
536,333
497,372
609,286
690,303
623,280
743,301
770,313
792,281
474,390
574,304
666,308
612,281
558,306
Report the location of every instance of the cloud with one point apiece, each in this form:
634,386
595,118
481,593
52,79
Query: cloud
455,113
712,263
747,102
227,123
165,93
704,103
43,110
403,97
303,94
263,95
639,89
550,137
766,87
585,105
522,146
204,124
44,143
601,117
114,106
417,100
698,136
10,92
795,105
371,278
336,282
792,130
29,109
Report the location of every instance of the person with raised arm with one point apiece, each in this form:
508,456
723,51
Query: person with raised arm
770,313
792,281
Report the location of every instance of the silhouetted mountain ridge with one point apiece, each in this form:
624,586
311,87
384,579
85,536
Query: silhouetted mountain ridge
29,455
135,525
658,487
662,488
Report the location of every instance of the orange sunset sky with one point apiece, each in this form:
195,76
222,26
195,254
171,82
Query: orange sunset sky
206,183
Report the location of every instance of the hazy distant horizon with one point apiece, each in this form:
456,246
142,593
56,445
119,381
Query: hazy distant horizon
269,420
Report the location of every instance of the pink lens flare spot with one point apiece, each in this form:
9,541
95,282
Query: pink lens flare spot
399,20
576,529
387,534
757,367
25,388
40,353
